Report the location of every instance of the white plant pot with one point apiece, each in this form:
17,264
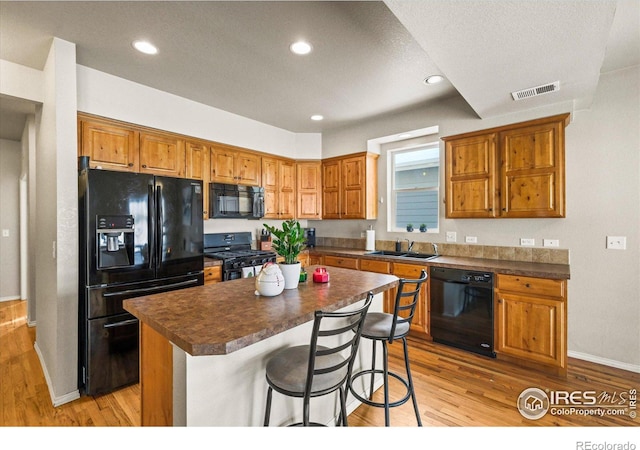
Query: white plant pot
291,273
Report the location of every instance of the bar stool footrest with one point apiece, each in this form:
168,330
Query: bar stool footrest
369,402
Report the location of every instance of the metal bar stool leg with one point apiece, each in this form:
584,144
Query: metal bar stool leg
386,383
373,366
410,380
267,411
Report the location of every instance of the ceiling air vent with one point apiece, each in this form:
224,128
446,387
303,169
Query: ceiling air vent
535,91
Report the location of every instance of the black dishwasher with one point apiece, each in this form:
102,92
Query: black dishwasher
462,309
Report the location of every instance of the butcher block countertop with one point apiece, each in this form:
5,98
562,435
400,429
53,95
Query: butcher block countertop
221,318
520,268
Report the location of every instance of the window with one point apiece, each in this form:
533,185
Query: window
414,187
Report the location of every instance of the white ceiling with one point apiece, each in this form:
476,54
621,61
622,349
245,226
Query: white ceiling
369,58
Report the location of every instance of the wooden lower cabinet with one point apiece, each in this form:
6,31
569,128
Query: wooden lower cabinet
212,274
420,323
341,261
315,259
531,322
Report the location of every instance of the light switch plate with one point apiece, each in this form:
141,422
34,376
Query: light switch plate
550,243
617,242
528,242
5,233
451,236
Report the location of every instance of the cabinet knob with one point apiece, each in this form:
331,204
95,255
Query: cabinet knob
527,285
130,164
144,166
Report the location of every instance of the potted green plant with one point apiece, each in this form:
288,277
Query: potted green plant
288,242
423,227
409,227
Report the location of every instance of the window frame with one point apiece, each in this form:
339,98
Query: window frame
391,191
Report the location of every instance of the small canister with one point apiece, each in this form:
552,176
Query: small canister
321,275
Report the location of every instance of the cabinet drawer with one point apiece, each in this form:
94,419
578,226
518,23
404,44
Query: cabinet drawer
340,261
410,271
212,274
375,266
531,286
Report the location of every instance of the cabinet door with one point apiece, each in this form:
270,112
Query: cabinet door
197,167
162,155
341,261
270,185
420,323
212,274
331,185
532,171
309,190
353,188
470,177
247,169
286,189
109,146
531,328
222,165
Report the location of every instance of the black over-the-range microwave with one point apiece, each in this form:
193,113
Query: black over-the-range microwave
235,201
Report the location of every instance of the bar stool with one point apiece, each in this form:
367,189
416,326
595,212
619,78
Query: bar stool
385,328
322,367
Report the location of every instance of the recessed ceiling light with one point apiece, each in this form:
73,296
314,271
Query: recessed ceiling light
300,48
145,47
317,117
433,79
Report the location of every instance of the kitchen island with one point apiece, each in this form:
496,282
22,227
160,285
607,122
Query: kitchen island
203,350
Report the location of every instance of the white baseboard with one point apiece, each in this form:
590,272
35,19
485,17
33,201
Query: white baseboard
56,401
9,298
605,361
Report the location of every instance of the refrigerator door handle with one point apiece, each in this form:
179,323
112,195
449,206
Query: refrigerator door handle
150,289
159,222
120,324
152,227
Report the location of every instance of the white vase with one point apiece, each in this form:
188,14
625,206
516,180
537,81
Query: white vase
291,273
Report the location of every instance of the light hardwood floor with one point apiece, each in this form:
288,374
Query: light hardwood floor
454,388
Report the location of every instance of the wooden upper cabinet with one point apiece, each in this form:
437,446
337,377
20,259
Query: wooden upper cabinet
470,174
331,187
349,187
162,154
232,166
532,171
108,145
309,189
511,171
197,168
278,181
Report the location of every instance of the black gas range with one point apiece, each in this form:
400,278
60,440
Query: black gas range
239,260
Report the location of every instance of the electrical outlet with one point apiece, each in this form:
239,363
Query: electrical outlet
529,242
550,243
617,242
5,233
471,239
451,236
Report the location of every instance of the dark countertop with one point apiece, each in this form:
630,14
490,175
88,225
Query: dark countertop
221,318
529,269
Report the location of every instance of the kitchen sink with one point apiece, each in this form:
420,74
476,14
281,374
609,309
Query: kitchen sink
402,254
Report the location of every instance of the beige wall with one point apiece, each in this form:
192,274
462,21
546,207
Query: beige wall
10,162
603,198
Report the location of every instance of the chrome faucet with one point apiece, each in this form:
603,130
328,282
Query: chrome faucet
409,244
435,248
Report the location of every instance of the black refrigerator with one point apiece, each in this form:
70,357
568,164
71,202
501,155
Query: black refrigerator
139,234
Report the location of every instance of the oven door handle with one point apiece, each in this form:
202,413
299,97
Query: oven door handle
150,289
121,323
